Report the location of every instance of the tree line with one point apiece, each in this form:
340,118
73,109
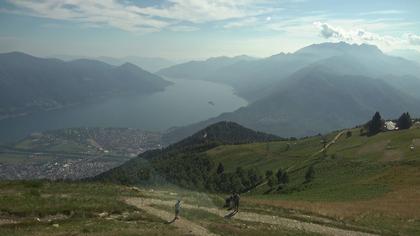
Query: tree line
376,124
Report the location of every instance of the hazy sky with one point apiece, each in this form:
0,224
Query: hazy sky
180,29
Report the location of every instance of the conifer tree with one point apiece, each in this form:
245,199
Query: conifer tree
375,125
404,122
310,174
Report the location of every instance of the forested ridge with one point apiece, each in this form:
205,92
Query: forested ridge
187,165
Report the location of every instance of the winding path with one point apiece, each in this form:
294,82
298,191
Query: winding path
185,225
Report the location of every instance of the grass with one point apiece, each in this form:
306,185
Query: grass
42,198
75,208
369,182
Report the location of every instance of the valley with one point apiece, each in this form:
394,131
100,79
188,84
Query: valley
73,153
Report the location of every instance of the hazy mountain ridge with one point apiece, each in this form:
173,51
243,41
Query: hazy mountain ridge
29,83
251,78
331,93
151,64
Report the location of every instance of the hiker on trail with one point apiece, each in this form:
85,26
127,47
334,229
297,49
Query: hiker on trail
229,202
177,209
236,199
232,203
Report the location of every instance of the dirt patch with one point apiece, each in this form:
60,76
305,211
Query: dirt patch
392,155
7,221
374,147
416,142
184,225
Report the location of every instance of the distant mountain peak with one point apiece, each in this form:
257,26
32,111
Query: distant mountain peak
16,54
227,132
130,67
342,47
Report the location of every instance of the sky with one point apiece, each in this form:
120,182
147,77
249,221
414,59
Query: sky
196,29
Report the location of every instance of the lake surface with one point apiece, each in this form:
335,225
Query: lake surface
185,102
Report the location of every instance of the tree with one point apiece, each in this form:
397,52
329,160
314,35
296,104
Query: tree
268,173
282,177
240,172
254,176
404,122
348,134
279,175
285,178
271,181
310,174
375,125
220,169
236,184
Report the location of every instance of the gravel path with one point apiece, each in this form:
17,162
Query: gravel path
144,203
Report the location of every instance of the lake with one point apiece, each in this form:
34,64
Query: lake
183,103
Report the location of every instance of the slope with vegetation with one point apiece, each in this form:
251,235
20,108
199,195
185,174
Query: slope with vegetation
347,182
369,180
185,163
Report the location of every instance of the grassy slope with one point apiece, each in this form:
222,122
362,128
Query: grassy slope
75,208
369,181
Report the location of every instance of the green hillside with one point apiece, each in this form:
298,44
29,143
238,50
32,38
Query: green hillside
355,167
360,185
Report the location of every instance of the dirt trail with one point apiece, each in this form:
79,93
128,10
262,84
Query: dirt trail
186,226
253,217
290,168
330,143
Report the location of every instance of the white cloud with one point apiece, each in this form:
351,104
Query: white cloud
359,36
327,31
130,17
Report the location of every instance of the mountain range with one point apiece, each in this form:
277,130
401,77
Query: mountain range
318,88
28,83
151,64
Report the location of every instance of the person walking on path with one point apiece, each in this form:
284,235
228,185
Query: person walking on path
236,199
177,209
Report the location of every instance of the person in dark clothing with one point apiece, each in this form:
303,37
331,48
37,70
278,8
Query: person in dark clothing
236,199
177,209
228,203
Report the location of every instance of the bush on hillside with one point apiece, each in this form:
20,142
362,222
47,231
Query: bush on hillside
310,174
